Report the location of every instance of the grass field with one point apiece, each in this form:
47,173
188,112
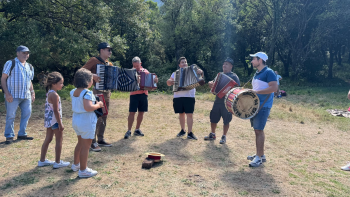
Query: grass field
305,147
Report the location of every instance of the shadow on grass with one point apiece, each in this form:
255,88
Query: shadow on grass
172,149
122,146
251,181
217,154
57,179
4,145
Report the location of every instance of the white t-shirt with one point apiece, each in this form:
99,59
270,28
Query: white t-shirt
185,93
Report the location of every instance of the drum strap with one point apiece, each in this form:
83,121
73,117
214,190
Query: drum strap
261,106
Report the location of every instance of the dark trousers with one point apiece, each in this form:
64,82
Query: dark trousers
102,121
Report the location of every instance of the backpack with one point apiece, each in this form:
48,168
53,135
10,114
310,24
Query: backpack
283,93
13,66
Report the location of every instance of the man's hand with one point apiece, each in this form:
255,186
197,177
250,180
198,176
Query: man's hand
138,78
170,82
199,71
156,80
9,98
33,97
96,78
211,84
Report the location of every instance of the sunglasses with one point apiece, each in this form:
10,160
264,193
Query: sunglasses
108,49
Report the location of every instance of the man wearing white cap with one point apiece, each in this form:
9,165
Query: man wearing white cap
264,84
16,81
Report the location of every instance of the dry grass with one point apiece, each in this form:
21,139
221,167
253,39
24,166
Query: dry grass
304,151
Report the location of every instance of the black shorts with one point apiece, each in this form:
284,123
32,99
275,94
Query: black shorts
184,104
219,110
138,102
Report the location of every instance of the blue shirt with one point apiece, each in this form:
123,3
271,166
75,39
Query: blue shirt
19,82
261,81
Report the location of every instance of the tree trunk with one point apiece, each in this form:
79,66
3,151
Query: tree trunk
330,64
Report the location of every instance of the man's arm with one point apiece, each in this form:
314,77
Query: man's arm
32,93
272,88
8,96
4,84
170,81
89,65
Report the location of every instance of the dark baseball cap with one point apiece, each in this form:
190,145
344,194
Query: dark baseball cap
229,60
103,45
22,48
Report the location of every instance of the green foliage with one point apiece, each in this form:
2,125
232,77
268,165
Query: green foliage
305,40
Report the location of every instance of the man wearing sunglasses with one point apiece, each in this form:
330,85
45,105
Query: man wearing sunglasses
105,52
16,82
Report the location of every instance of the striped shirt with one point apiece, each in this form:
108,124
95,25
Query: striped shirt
19,82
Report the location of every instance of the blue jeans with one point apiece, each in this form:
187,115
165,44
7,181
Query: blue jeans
11,108
258,122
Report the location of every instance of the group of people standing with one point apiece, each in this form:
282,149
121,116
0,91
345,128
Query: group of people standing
18,90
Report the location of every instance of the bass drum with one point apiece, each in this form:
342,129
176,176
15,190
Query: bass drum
243,103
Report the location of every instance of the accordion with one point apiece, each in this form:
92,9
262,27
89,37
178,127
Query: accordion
101,111
222,85
187,78
115,78
147,81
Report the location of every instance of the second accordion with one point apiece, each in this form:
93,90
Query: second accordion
187,78
147,81
222,85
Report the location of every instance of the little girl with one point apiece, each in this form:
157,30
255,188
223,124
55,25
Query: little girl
53,120
84,120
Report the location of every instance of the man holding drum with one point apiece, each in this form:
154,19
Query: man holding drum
264,85
219,110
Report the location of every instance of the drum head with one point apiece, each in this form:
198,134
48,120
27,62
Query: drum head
245,104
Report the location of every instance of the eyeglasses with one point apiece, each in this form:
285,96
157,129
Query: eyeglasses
108,49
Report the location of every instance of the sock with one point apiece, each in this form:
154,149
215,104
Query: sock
224,135
212,133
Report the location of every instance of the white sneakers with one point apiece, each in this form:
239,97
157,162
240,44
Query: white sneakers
55,165
257,161
251,158
346,167
88,172
61,164
75,167
45,163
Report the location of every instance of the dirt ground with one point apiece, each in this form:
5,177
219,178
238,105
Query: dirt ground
303,157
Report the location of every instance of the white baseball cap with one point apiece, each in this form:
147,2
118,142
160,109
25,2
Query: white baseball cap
261,55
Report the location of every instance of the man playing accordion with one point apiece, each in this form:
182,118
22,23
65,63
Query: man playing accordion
183,103
105,51
138,102
219,110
